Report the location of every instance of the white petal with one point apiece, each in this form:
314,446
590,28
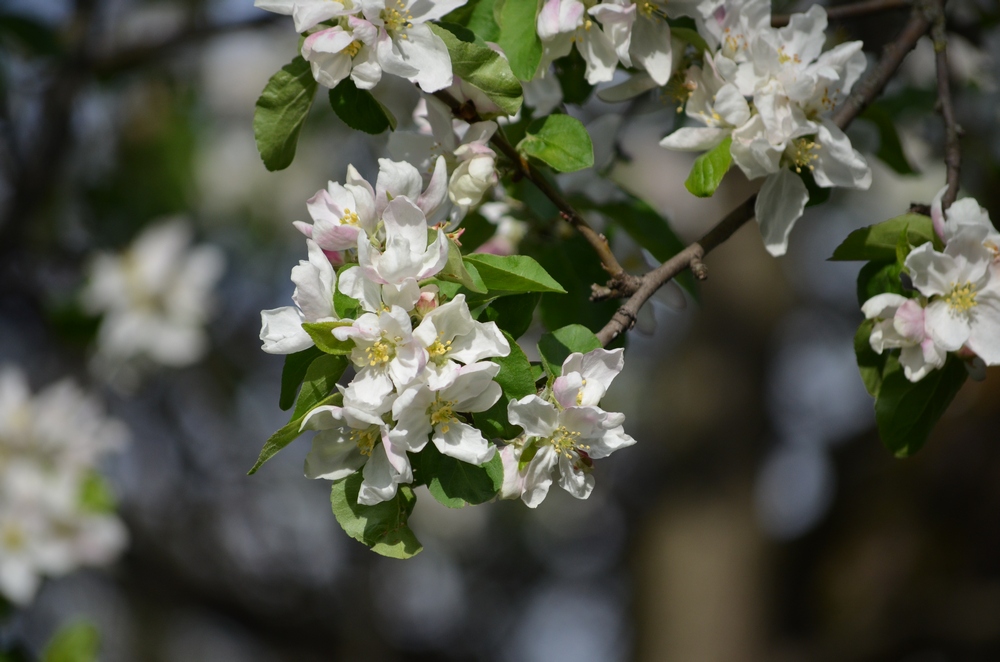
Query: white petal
462,442
948,329
779,204
574,479
333,456
535,416
379,482
281,331
695,139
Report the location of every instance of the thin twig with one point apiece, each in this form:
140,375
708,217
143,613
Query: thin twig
525,169
853,10
952,147
867,91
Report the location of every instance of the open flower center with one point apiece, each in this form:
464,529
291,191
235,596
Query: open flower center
785,58
442,412
397,19
352,50
439,351
365,439
565,440
804,153
381,352
351,217
962,298
679,89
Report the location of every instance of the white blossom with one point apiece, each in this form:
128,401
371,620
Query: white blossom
307,13
561,23
355,436
421,411
901,323
155,297
344,50
281,328
339,212
563,435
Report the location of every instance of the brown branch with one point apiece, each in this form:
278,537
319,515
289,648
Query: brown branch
646,285
853,10
525,169
952,147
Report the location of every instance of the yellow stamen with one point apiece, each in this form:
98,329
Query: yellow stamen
365,439
442,412
380,353
962,298
803,153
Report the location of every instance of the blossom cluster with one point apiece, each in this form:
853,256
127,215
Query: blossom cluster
564,430
766,91
53,506
955,302
361,40
421,361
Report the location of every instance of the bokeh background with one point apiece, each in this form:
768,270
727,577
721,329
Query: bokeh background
758,517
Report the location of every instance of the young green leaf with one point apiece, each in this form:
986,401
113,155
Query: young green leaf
286,435
516,381
360,110
690,36
322,334
521,45
879,241
879,277
455,483
556,346
709,169
281,111
480,66
78,642
512,314
560,141
382,526
571,70
906,412
458,271
478,17
292,374
513,273
348,308
320,381
96,495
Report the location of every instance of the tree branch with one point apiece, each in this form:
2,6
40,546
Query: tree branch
952,147
853,10
867,91
597,240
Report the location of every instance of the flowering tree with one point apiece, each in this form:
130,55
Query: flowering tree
396,296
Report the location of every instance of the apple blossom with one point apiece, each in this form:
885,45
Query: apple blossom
384,352
901,323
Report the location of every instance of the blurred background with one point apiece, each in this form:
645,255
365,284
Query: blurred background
757,518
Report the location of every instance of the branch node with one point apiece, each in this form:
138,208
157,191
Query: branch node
699,269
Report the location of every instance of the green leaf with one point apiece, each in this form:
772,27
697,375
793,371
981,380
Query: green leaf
320,381
347,308
480,66
870,364
78,642
477,16
906,412
709,169
96,496
516,381
651,231
455,483
560,141
879,277
286,435
322,334
292,374
890,150
512,314
518,38
382,526
690,36
513,273
476,231
878,242
281,111
458,271
360,110
556,346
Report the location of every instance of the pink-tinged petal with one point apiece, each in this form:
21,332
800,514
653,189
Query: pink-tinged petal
435,258
566,388
397,458
909,320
